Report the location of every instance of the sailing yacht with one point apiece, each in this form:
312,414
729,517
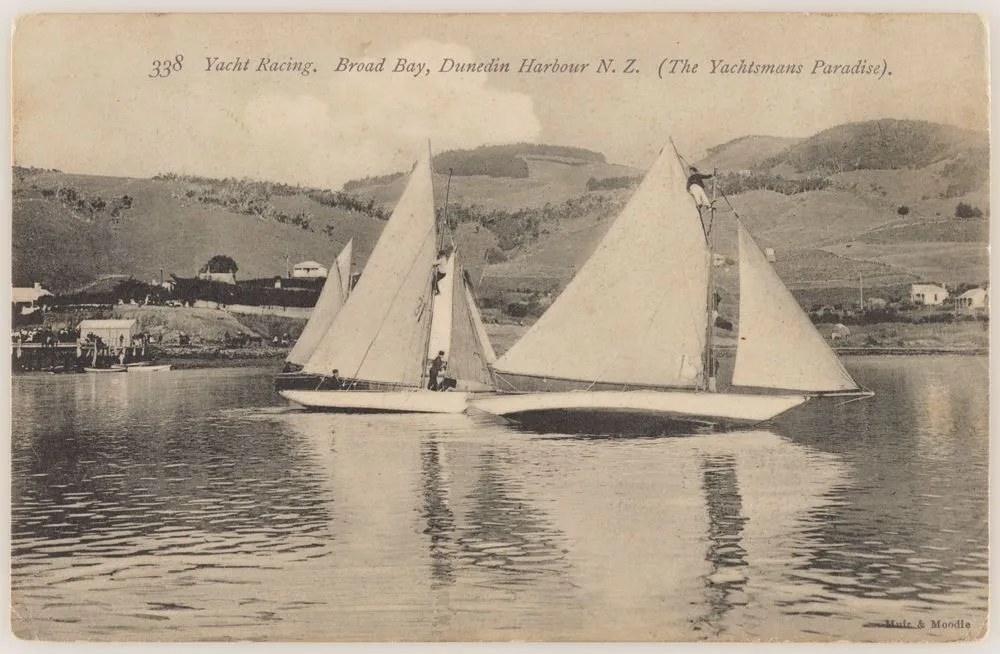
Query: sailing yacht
375,354
328,305
630,336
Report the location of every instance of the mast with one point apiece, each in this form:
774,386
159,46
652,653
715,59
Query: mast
709,359
447,196
438,246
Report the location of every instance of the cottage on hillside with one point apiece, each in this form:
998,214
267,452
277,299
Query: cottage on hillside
839,331
928,294
974,298
309,269
27,300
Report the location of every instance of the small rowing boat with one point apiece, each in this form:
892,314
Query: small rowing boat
149,368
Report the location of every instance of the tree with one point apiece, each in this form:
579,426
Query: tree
903,210
221,263
963,210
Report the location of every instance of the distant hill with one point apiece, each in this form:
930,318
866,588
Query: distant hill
745,153
876,199
879,145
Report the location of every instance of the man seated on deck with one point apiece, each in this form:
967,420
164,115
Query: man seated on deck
696,187
437,365
334,381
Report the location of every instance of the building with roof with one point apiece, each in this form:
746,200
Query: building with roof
928,294
27,300
974,298
113,333
310,269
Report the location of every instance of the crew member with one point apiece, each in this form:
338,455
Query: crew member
696,187
439,273
437,365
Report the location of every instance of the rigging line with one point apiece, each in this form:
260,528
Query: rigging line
386,316
726,198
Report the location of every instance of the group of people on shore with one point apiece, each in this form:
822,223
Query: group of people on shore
47,337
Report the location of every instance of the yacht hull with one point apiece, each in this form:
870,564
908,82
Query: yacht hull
402,401
637,411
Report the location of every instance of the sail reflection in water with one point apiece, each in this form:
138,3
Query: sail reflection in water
195,506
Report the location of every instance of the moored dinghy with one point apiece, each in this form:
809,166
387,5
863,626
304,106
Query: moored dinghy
629,341
381,341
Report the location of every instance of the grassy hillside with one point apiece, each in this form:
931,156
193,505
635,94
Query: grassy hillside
56,243
879,202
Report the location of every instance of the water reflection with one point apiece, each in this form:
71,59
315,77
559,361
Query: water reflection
440,519
726,554
198,506
909,525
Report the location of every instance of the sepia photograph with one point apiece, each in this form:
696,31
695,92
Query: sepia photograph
562,327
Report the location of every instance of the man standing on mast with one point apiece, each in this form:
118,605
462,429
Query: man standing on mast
696,187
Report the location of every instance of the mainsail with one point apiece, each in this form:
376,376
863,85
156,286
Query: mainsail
331,299
636,312
381,333
778,345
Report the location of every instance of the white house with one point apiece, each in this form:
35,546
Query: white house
26,299
928,294
974,298
309,269
839,331
770,255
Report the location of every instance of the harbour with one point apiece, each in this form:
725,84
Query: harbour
199,505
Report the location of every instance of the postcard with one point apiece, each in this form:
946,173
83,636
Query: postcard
500,327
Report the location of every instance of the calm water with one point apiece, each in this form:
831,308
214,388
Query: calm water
196,505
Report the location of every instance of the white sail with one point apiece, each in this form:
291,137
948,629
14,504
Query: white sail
328,305
636,312
381,333
477,322
344,262
469,360
778,345
440,340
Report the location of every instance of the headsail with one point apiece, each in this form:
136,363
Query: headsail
381,333
778,345
328,305
636,312
477,321
344,262
469,357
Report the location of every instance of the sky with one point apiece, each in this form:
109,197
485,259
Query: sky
84,101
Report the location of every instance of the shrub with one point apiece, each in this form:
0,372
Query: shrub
963,210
